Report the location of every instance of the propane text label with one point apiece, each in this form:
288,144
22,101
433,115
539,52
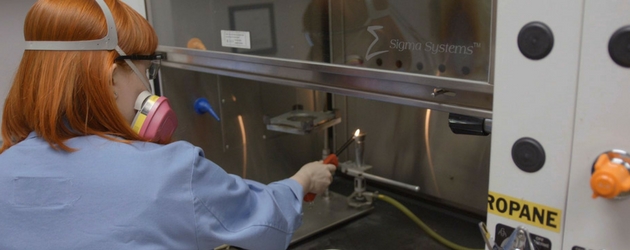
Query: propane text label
525,211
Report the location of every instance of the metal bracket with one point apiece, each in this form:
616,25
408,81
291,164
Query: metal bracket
303,122
520,239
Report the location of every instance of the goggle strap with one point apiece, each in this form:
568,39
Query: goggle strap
140,75
135,69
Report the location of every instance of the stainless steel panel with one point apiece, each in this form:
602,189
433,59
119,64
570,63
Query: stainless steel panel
408,135
399,145
415,146
471,97
176,22
324,213
240,142
382,50
432,37
449,38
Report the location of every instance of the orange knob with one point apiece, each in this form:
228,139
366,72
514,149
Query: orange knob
609,178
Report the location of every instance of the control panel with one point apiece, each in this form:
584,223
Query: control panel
560,171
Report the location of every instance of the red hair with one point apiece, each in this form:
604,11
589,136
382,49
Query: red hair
65,94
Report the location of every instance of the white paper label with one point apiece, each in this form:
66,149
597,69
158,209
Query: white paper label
235,39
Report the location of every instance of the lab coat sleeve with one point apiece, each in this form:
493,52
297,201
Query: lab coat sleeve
243,213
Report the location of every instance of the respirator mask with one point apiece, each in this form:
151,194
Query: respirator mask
155,120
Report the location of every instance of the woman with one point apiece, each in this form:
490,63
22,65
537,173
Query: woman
76,170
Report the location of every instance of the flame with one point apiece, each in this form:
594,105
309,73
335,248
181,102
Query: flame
357,133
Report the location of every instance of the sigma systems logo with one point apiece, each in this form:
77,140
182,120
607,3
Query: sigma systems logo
430,47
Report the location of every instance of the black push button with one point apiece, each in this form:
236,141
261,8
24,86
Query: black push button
535,40
528,154
619,46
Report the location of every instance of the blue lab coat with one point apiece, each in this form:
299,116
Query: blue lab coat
112,195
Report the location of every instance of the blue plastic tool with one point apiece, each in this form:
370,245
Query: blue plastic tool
202,106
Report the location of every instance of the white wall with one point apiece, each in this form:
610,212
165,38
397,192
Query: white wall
12,13
137,5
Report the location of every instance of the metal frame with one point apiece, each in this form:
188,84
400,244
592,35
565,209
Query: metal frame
466,97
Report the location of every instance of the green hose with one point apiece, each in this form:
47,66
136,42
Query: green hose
424,227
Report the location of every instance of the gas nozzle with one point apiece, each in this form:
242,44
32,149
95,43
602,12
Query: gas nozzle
202,106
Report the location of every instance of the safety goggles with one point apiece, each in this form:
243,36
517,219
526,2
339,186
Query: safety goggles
153,69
